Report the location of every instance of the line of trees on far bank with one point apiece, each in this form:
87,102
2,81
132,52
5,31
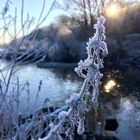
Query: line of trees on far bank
64,40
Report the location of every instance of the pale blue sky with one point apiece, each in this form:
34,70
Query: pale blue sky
34,8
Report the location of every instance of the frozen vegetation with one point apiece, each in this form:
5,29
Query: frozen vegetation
75,115
65,119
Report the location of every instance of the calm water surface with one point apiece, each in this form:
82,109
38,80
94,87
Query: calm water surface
57,85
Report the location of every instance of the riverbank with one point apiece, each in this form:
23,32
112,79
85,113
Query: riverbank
58,65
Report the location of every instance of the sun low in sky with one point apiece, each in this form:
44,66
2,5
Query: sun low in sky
113,10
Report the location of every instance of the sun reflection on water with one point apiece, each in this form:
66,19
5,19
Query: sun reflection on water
109,85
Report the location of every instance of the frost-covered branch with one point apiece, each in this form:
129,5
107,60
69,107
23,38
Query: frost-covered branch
89,69
65,119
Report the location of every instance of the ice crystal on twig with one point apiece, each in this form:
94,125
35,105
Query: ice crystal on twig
96,50
89,69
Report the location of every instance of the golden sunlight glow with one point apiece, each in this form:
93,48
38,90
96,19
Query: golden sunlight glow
110,85
5,39
113,10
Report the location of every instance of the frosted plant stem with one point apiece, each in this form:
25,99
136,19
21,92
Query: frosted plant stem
75,115
83,88
56,128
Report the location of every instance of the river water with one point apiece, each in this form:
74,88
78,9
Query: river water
57,85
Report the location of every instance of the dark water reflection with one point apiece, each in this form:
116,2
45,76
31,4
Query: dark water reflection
119,97
121,101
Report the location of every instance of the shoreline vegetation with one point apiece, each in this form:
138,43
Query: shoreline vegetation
126,55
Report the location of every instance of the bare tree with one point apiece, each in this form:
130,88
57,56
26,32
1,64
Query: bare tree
84,11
